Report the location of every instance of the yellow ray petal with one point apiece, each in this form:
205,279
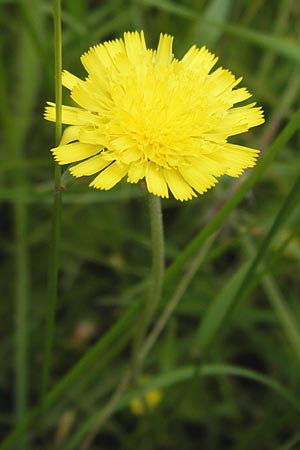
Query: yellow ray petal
234,158
156,183
84,95
65,154
197,178
70,134
105,54
240,119
240,158
199,60
164,53
109,177
71,115
69,80
92,135
204,165
136,172
178,186
114,48
89,167
91,61
135,46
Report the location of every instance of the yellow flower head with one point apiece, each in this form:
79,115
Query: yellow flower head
150,399
143,114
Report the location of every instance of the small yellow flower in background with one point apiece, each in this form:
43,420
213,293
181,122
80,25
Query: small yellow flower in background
143,114
151,399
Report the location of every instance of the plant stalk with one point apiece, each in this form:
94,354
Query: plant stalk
56,221
156,281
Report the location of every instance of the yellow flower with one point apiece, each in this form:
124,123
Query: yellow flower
143,114
150,400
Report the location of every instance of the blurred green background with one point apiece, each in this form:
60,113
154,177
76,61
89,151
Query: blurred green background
227,363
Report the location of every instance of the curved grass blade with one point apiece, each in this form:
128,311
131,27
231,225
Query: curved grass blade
277,300
182,375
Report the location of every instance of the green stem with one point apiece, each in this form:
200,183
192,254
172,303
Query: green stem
107,410
56,224
22,303
154,295
156,280
16,117
158,264
185,281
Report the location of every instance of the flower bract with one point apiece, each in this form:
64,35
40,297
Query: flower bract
142,114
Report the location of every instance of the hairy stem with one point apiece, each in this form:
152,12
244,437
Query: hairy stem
156,280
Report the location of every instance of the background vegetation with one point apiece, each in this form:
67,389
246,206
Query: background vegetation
227,362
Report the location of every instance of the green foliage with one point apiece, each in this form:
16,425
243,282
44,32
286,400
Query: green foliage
224,346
